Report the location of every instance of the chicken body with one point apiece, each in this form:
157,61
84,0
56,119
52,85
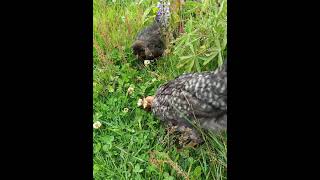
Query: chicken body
149,43
194,98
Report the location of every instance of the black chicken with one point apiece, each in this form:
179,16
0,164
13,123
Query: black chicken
149,44
194,97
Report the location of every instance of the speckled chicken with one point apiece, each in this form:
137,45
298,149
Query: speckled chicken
194,97
149,44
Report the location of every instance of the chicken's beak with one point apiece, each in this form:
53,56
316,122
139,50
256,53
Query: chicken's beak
147,102
148,53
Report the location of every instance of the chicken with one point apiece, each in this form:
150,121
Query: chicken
199,98
149,44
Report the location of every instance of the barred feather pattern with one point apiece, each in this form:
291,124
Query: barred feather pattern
194,98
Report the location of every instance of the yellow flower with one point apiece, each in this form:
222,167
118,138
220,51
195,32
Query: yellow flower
97,125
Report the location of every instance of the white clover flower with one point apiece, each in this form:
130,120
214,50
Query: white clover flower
146,62
130,90
97,125
140,101
145,103
125,110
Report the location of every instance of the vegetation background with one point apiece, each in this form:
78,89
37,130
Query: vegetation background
131,143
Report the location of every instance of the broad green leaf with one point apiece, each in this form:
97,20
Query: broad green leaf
137,168
146,13
224,41
110,88
148,18
155,10
203,47
210,58
97,147
140,2
165,174
222,7
197,172
197,65
107,147
184,63
185,57
190,66
220,61
108,139
189,26
179,45
191,47
96,167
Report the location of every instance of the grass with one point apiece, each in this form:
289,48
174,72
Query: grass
134,144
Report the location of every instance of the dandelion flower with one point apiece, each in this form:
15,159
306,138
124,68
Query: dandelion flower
97,125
